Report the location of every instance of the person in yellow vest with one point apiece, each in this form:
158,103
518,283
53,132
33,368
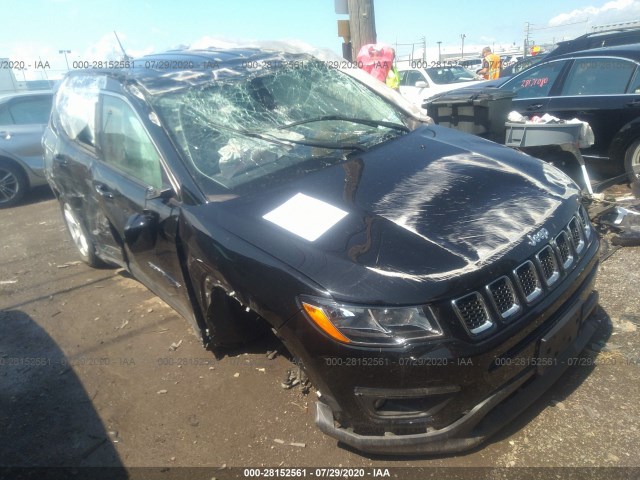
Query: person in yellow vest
491,64
393,77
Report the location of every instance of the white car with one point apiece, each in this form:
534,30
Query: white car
421,83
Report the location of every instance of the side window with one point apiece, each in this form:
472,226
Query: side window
126,145
411,77
403,77
598,76
75,111
26,111
535,82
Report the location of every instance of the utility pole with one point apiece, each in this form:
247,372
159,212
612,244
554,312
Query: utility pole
362,24
439,55
462,36
526,38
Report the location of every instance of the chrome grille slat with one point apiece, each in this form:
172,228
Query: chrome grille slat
504,297
584,219
528,280
473,312
548,265
577,234
563,244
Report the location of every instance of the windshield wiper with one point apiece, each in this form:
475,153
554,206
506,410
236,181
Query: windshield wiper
309,143
363,121
287,142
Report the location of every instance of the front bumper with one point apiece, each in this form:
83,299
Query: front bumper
486,417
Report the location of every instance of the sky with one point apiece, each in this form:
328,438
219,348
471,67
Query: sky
36,30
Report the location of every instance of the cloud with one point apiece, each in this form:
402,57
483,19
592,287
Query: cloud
615,11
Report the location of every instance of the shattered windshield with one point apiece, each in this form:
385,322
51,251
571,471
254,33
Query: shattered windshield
280,121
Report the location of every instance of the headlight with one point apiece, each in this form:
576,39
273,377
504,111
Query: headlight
371,325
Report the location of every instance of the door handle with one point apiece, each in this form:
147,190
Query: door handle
5,135
103,190
633,103
535,106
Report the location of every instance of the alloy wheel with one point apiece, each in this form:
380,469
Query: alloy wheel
9,185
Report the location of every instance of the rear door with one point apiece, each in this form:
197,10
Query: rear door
130,183
22,123
72,153
599,91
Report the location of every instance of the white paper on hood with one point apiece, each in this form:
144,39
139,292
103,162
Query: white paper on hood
305,216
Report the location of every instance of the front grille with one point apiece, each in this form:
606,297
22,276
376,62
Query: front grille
473,312
533,278
549,265
504,297
528,281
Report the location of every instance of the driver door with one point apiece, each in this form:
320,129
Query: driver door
132,189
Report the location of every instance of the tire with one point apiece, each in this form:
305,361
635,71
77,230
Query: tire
632,162
79,237
13,185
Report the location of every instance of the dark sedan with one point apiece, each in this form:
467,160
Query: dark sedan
432,284
599,86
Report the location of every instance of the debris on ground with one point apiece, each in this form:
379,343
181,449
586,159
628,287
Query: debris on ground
161,392
294,377
124,324
292,444
174,346
616,217
272,354
69,264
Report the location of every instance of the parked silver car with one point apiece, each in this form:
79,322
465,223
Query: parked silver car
23,117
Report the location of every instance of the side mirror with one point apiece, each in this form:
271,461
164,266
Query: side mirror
422,84
141,232
163,193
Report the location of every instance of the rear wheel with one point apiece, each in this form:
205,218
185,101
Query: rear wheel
632,162
13,185
81,240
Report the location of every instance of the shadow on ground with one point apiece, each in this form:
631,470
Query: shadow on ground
47,418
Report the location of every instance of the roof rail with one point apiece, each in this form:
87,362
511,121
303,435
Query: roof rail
615,26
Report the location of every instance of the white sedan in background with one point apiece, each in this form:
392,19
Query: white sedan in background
421,83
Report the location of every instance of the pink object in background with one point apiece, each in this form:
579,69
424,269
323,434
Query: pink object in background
376,59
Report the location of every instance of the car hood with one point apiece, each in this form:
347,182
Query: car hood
432,205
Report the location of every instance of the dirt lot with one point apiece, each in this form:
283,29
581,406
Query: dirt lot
97,371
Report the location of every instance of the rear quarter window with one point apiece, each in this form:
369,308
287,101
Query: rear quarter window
76,103
598,76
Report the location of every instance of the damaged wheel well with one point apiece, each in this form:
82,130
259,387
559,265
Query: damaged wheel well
229,322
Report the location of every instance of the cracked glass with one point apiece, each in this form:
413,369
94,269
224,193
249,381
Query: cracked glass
273,122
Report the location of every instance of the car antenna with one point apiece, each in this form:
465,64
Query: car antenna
126,57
